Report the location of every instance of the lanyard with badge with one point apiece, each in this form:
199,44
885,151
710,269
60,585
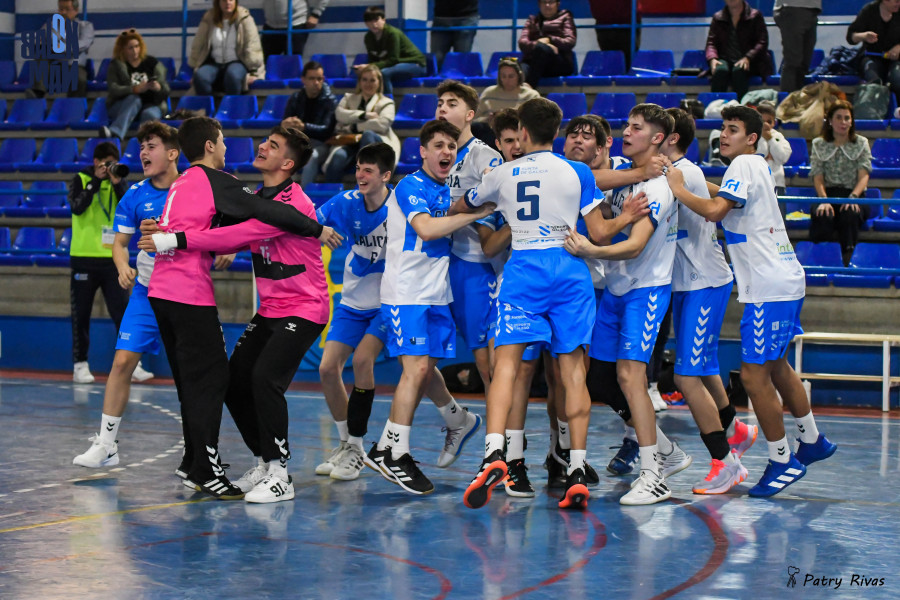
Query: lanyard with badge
108,233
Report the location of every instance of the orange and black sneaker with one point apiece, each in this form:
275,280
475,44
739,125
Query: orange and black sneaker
577,493
492,471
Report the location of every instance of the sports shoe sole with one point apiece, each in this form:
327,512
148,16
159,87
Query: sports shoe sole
576,497
479,491
462,443
380,470
516,494
324,468
742,475
107,462
625,501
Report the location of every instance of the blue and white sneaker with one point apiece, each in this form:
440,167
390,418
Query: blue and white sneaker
778,476
456,438
625,459
807,454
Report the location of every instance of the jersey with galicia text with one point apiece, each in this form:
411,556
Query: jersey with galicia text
540,195
364,266
765,266
415,271
653,266
699,260
471,160
141,201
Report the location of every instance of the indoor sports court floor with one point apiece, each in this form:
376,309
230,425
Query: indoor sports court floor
133,531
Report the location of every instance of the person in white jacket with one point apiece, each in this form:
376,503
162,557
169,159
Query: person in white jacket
773,146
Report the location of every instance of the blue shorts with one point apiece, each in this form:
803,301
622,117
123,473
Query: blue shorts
349,325
767,329
698,317
627,326
472,284
419,330
531,351
139,331
546,296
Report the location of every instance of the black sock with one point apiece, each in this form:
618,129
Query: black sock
726,416
603,386
716,443
358,410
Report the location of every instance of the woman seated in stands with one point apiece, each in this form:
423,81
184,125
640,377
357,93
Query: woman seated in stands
547,42
510,91
226,54
737,47
137,86
879,31
363,117
841,162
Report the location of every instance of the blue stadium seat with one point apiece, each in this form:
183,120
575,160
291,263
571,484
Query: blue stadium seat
235,109
797,207
270,114
648,67
34,239
54,152
572,104
11,196
24,113
7,257
691,59
614,107
802,250
98,83
891,220
20,83
886,158
666,99
52,203
705,99
198,103
824,254
693,152
279,69
871,256
131,156
410,160
798,162
490,72
239,152
599,68
96,118
7,72
415,110
350,80
334,65
169,63
320,193
5,240
86,157
14,150
461,66
64,112
59,256
65,240
559,145
616,148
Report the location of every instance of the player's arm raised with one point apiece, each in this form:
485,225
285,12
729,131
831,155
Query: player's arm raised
603,227
713,209
579,245
608,179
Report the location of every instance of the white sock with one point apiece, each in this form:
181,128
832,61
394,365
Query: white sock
454,415
401,445
664,443
384,441
729,459
807,430
779,451
355,441
630,433
576,460
515,444
649,458
565,441
109,428
554,437
342,430
278,470
492,443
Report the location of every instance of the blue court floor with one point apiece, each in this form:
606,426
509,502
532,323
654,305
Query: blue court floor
133,531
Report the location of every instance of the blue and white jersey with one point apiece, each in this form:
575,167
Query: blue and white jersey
765,266
141,201
540,195
471,160
364,265
595,265
653,266
699,260
415,271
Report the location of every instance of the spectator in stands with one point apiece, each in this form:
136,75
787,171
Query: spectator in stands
773,146
93,196
389,49
69,9
509,92
311,110
137,85
878,28
737,47
547,42
616,12
841,163
306,16
453,13
797,20
363,117
226,53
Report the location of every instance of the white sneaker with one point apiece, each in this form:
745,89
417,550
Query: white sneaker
252,477
659,404
271,489
649,488
326,467
98,455
348,464
140,374
456,438
721,477
675,461
82,373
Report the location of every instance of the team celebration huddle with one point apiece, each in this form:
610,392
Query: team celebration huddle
533,257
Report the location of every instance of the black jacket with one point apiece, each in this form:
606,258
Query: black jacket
869,19
80,197
321,126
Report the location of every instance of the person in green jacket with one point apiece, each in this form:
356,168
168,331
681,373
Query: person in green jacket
137,85
390,50
93,196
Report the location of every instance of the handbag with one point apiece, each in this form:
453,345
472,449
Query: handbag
344,139
871,101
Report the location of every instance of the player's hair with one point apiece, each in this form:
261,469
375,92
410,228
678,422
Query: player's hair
828,130
541,117
379,154
605,124
105,149
123,40
431,128
194,133
751,119
373,13
589,123
655,115
310,65
684,127
505,119
299,148
462,91
167,134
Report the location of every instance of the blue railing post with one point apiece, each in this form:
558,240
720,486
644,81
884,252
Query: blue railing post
290,27
515,13
633,42
184,26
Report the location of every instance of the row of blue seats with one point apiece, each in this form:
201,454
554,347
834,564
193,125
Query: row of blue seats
871,265
879,219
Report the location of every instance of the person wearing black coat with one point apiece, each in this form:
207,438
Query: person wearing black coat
877,26
311,110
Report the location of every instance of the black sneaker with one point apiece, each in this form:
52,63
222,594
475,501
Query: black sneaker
590,475
221,489
556,473
406,474
577,493
491,472
562,457
517,484
375,460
